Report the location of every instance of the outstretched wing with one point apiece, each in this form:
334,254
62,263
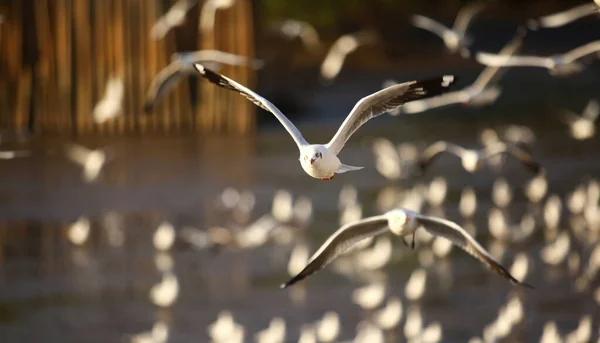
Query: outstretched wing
582,51
430,25
340,241
466,15
227,83
458,236
515,151
566,17
592,110
434,150
220,57
494,60
166,79
385,100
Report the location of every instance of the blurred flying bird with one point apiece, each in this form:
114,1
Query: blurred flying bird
346,44
111,104
468,202
582,126
292,29
455,39
182,65
275,333
175,16
390,316
391,162
209,11
321,161
370,296
90,160
558,65
482,92
472,160
400,222
164,293
415,286
158,334
328,328
11,154
563,18
79,231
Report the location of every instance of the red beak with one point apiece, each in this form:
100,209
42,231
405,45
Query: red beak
312,160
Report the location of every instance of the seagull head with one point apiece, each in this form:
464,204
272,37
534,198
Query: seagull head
311,155
397,220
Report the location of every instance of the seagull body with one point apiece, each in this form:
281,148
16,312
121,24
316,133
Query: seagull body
182,65
320,160
400,222
455,39
344,45
293,29
482,92
111,104
175,16
558,65
472,160
91,161
564,17
583,126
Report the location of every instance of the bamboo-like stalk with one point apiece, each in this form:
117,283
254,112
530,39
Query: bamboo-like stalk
100,71
24,93
63,50
45,85
83,56
119,51
109,44
152,67
246,112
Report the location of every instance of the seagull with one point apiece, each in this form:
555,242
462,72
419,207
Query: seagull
182,64
344,45
175,16
558,65
12,154
472,160
582,126
208,12
482,92
563,18
292,29
400,222
455,39
320,160
90,160
111,104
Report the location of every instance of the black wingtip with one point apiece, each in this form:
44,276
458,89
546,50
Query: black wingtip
292,281
526,285
434,86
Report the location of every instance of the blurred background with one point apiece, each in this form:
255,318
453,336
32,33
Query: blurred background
195,209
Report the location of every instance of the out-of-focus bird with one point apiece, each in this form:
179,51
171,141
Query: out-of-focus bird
391,162
209,11
328,327
370,296
11,154
164,236
536,188
158,334
520,267
557,251
344,45
390,316
110,105
482,92
275,333
175,16
550,333
321,161
413,326
583,332
308,334
90,160
564,17
558,65
582,126
292,29
437,191
224,328
182,65
468,202
415,286
455,39
165,292
501,193
400,222
472,160
79,231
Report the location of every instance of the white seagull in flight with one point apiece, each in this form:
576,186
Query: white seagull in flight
558,65
400,222
483,91
292,29
455,39
564,17
344,45
182,65
320,160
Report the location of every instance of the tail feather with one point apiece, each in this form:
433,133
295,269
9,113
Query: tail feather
345,168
